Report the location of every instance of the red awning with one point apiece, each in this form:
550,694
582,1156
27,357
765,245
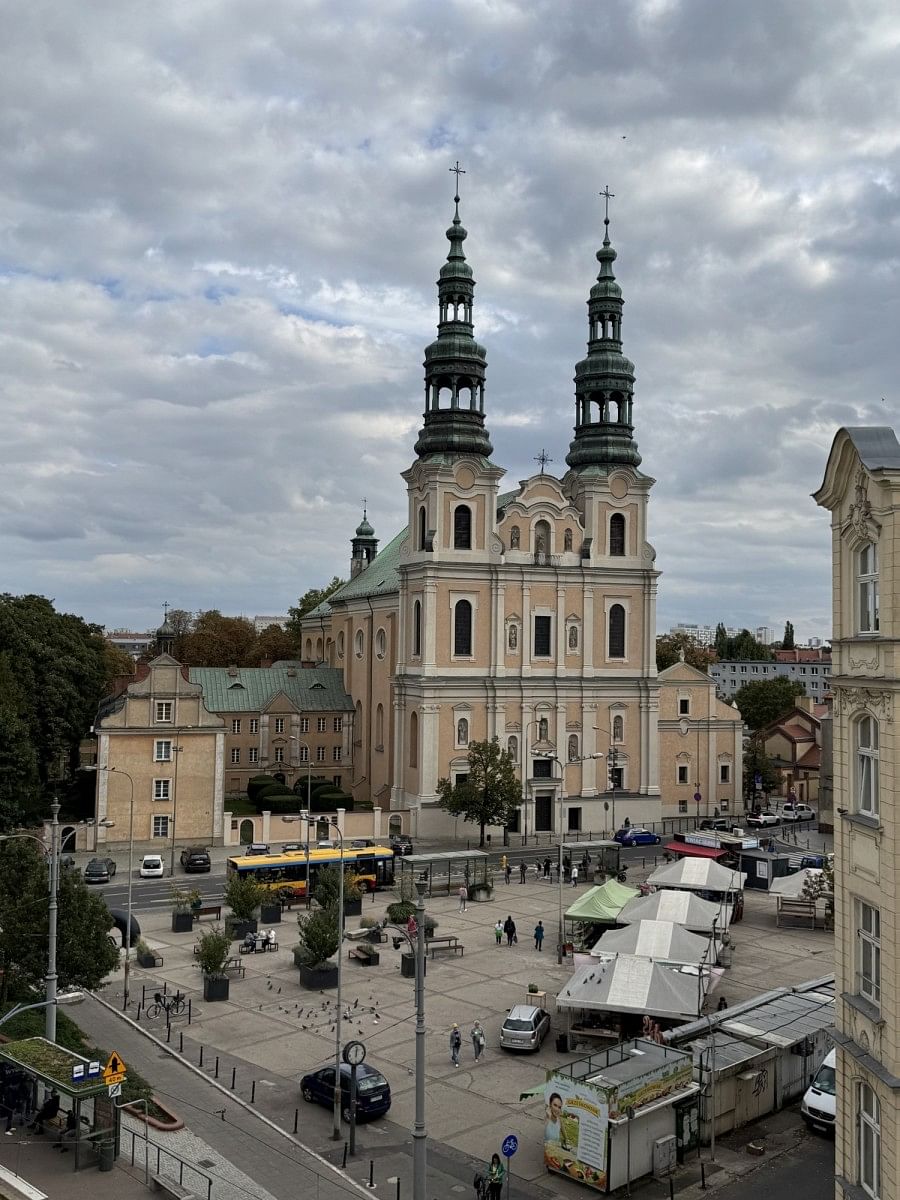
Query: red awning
694,851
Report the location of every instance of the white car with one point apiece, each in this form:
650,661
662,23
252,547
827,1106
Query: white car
151,867
761,820
797,812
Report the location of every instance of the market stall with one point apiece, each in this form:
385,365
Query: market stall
684,908
663,941
709,879
596,910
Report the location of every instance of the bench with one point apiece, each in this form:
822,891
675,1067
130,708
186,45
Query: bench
208,910
236,966
450,942
804,910
170,1188
365,954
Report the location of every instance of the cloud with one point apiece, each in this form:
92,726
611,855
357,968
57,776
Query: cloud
220,227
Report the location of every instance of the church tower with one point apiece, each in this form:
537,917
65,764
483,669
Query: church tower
364,547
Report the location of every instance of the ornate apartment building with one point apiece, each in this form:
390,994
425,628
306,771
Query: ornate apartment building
861,490
526,614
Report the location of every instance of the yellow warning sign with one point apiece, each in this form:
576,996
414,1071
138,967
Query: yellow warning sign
114,1071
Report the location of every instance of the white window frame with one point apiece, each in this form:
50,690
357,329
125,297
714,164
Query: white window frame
159,753
682,804
235,724
868,949
159,826
867,590
547,615
868,1148
279,724
254,724
320,753
279,754
866,766
164,712
162,789
235,756
304,724
321,724
254,754
336,754
304,754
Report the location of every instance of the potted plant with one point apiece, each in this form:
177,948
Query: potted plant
270,908
183,903
327,890
319,940
243,895
212,952
146,957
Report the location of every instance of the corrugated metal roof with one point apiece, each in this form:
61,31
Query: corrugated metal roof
250,689
784,1020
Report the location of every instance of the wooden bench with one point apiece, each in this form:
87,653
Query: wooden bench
208,910
366,954
450,942
804,910
170,1188
235,965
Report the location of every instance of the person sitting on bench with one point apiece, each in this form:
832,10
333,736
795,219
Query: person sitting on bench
48,1110
68,1132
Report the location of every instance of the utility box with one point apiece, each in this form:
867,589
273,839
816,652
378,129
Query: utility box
664,1150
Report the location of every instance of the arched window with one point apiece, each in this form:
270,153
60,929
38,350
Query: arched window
380,643
318,649
867,766
573,747
360,643
618,729
417,629
512,747
514,538
573,637
422,522
308,649
867,585
462,628
414,740
340,644
616,641
462,527
567,540
617,534
379,727
462,732
869,1149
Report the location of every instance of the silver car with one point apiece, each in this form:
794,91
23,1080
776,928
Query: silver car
524,1028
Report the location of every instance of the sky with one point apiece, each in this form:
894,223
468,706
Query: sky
220,229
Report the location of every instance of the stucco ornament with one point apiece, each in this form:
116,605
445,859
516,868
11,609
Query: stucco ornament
846,699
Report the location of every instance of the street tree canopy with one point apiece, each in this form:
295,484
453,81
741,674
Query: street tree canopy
758,764
490,795
765,700
670,645
743,647
308,601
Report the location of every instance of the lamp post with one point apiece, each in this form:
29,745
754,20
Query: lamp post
305,745
50,1005
119,771
336,1131
176,750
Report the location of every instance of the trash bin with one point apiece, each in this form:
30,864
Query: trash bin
107,1155
408,966
562,1043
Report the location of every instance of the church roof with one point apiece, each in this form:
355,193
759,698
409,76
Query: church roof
877,446
250,689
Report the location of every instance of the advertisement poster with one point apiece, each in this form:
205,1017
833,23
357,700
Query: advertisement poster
575,1130
655,1083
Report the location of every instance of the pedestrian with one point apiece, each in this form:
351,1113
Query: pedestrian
539,936
463,897
722,1005
537,871
556,866
412,927
496,1173
567,867
509,928
522,871
477,1040
574,877
455,1045
547,867
47,1112
498,931
507,871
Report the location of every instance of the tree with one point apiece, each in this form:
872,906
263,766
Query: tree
319,936
721,642
20,789
787,642
670,645
307,602
743,647
217,641
274,643
758,763
765,700
244,895
117,662
490,795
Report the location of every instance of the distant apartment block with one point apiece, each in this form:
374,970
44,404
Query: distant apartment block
260,623
705,635
134,644
765,635
814,675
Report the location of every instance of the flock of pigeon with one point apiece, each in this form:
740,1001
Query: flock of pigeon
317,1020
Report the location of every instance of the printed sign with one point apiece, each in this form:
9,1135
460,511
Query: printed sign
575,1131
93,1070
510,1145
115,1089
78,1073
114,1071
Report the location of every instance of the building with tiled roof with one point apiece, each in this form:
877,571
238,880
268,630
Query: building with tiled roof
794,743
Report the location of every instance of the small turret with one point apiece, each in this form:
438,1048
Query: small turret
364,546
165,635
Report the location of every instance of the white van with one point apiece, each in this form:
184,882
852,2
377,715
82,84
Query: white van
819,1103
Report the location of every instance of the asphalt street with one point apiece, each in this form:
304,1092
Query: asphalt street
806,1173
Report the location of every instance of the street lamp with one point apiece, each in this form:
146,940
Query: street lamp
50,1005
119,771
176,750
305,745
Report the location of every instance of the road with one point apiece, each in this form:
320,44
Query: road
806,1173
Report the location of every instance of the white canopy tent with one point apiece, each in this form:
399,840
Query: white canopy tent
683,908
791,886
638,986
663,941
698,875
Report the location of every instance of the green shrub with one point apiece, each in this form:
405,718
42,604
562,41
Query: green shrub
258,782
281,804
319,937
213,951
325,892
243,895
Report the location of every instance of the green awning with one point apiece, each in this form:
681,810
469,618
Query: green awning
601,903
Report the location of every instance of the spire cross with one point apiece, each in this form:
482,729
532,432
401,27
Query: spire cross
457,171
364,507
543,458
165,611
607,196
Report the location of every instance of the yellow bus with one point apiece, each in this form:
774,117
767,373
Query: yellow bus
372,867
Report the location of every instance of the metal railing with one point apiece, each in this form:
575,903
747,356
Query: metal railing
164,1158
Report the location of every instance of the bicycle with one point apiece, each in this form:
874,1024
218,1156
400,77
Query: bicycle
172,1006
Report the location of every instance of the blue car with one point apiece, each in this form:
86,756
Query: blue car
636,837
373,1092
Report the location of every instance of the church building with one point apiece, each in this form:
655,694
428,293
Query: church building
526,614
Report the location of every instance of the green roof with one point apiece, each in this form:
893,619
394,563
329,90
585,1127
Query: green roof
601,903
250,689
53,1065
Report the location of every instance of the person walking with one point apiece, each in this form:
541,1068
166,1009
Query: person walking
509,928
567,867
455,1045
539,936
575,876
496,1175
522,871
463,897
498,931
477,1040
547,867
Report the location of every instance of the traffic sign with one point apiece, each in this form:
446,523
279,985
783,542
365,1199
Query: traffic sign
78,1072
93,1070
114,1071
510,1145
114,1089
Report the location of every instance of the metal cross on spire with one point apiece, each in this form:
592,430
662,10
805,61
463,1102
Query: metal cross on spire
543,458
166,607
607,196
365,513
457,171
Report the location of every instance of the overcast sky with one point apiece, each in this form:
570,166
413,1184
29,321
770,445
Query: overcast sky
221,223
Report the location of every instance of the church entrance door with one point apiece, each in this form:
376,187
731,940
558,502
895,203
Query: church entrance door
543,812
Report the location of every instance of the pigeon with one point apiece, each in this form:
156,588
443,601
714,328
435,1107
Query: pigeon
356,1002
269,986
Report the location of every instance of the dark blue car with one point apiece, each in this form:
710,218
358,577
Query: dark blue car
373,1092
636,837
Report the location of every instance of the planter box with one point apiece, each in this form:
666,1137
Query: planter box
215,987
239,929
481,894
182,922
270,914
318,978
353,908
149,961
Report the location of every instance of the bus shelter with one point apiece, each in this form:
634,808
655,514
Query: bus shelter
601,856
82,1092
447,870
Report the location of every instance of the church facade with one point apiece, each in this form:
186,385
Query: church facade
525,614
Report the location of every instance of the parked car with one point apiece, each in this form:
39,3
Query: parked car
525,1028
797,812
99,870
820,1101
636,837
817,861
373,1092
257,848
293,848
362,843
151,867
720,823
196,859
401,843
763,819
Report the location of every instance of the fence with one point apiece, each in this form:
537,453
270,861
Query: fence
164,1163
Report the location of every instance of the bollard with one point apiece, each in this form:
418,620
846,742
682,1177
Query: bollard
233,1077
703,1176
344,1159
181,1043
398,1187
371,1182
296,1118
143,994
253,1092
671,1188
190,1014
217,1066
168,1031
201,1054
140,1009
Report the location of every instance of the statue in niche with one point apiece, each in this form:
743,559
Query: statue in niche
513,637
573,637
573,747
543,729
540,544
567,540
512,747
514,538
462,732
618,729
